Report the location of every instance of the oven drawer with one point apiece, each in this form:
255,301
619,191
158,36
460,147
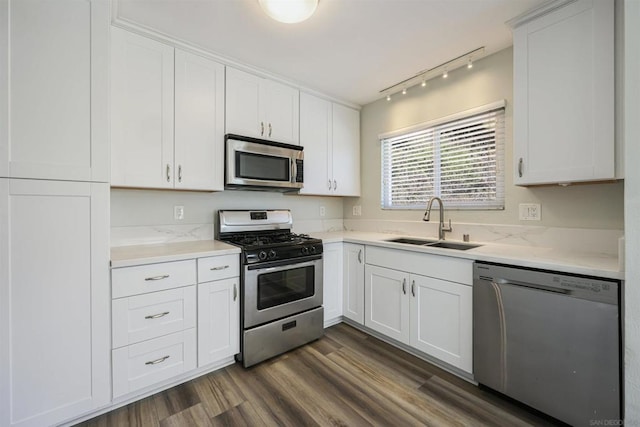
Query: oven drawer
150,362
142,317
218,267
128,281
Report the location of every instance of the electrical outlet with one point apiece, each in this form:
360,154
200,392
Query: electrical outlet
322,211
529,211
357,210
178,212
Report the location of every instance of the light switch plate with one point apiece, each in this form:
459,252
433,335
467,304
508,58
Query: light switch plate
529,211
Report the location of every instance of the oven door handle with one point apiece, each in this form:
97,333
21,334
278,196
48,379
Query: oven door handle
284,263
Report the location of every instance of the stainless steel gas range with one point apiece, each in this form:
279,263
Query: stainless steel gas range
281,282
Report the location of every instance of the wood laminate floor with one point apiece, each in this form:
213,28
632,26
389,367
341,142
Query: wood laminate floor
347,378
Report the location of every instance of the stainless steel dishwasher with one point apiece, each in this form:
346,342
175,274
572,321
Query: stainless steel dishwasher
550,340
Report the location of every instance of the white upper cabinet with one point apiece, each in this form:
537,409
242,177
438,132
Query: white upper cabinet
261,108
167,116
199,123
54,89
141,111
330,135
564,94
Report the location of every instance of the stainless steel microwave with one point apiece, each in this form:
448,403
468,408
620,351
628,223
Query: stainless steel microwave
256,164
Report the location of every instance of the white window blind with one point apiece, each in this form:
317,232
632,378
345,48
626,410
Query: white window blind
460,160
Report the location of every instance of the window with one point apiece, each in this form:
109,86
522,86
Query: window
459,158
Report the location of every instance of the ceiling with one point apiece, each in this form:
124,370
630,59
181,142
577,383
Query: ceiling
349,49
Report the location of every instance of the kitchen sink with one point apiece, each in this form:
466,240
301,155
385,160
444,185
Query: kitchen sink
434,243
453,245
409,241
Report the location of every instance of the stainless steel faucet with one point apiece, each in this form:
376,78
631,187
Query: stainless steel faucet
427,214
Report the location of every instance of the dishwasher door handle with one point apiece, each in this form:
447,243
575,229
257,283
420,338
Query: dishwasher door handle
532,286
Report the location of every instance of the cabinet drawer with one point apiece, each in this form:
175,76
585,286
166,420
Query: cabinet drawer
142,317
128,281
218,267
141,365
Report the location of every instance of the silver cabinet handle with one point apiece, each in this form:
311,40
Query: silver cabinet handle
269,130
520,164
222,267
413,288
168,173
164,276
335,185
360,256
261,128
155,362
235,291
329,184
155,316
404,286
179,173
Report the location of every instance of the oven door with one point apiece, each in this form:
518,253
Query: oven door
278,289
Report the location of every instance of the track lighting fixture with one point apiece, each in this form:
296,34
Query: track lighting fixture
440,70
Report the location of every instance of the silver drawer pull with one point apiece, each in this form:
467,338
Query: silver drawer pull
155,362
155,316
222,267
164,276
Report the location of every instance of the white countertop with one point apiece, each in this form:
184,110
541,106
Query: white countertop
590,264
127,256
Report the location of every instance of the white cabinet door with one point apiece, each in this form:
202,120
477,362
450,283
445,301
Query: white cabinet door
261,108
353,282
387,304
53,89
441,320
280,106
330,135
332,283
141,111
315,137
564,95
199,123
242,104
346,151
218,320
54,300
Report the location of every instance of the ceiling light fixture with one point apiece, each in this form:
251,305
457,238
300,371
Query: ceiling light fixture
441,70
289,11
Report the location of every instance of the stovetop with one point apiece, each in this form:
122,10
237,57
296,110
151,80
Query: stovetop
265,236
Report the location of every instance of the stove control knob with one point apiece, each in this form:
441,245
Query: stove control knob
262,255
272,254
305,251
312,249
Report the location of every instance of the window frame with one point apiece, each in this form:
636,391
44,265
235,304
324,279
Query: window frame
433,125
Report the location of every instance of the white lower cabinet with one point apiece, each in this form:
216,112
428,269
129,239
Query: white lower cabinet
218,320
421,300
170,318
441,320
387,304
54,300
141,365
332,283
353,282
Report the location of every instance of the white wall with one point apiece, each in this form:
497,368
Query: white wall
134,208
632,211
490,79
